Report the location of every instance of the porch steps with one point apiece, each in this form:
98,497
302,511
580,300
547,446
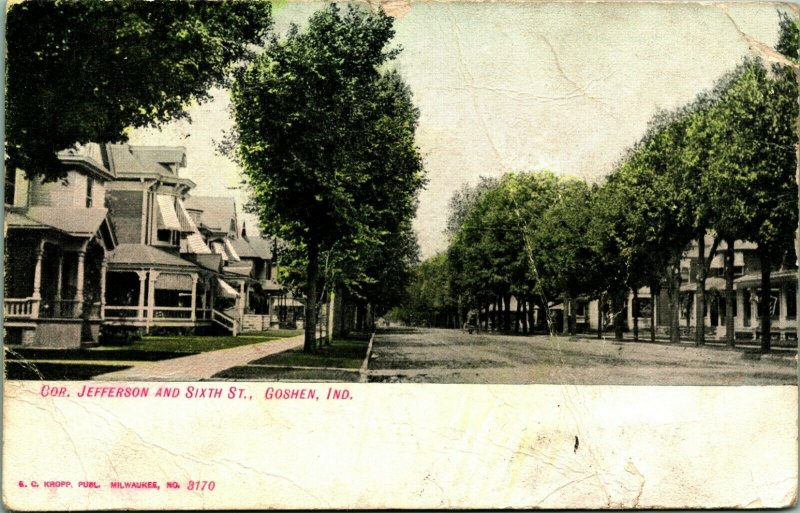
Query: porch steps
227,322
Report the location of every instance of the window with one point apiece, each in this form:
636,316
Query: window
89,187
642,307
791,301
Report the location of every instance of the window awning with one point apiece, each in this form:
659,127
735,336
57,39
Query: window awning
219,249
168,218
185,220
174,282
195,244
231,252
226,290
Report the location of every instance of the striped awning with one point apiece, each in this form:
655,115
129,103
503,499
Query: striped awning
168,218
231,252
185,220
219,249
195,244
226,290
174,282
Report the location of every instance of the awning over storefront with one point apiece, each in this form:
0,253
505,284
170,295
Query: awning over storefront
168,218
226,290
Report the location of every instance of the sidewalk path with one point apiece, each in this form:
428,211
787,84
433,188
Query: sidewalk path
203,365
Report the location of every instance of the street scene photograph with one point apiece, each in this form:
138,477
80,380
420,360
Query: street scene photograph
451,193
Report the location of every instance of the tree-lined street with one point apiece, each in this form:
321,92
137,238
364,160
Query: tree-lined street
418,355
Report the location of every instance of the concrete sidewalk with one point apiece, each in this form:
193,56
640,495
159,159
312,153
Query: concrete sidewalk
203,365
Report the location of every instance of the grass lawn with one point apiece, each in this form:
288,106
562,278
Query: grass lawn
197,344
346,353
257,373
56,371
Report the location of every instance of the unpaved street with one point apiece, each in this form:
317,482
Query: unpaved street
451,356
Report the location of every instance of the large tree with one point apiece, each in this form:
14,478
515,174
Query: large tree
325,135
755,137
81,71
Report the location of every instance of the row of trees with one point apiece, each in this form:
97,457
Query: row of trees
723,164
324,131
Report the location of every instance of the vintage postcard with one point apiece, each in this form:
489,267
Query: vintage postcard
402,254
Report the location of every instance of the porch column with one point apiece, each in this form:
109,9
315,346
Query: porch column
60,275
151,296
204,297
739,318
242,299
142,277
755,321
103,271
37,280
79,283
194,297
59,279
212,289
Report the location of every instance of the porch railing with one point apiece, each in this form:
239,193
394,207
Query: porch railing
22,308
120,312
172,312
225,321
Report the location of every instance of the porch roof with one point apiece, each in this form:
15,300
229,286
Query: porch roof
144,256
776,277
77,221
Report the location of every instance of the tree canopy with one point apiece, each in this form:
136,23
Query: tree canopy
87,71
325,134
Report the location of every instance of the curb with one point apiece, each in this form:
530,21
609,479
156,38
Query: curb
362,372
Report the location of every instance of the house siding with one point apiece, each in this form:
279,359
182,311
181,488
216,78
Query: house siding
126,210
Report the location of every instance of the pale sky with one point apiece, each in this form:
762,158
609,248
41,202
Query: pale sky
521,86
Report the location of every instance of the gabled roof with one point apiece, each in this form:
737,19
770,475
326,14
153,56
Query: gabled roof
217,212
128,161
261,246
144,256
253,247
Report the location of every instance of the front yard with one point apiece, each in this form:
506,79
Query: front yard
62,364
340,361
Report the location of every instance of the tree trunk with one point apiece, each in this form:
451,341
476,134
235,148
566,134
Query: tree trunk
517,319
572,319
674,294
618,300
565,315
635,314
507,313
766,286
700,294
730,297
654,293
312,270
600,318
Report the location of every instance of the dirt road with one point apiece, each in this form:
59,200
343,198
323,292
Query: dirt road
452,356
